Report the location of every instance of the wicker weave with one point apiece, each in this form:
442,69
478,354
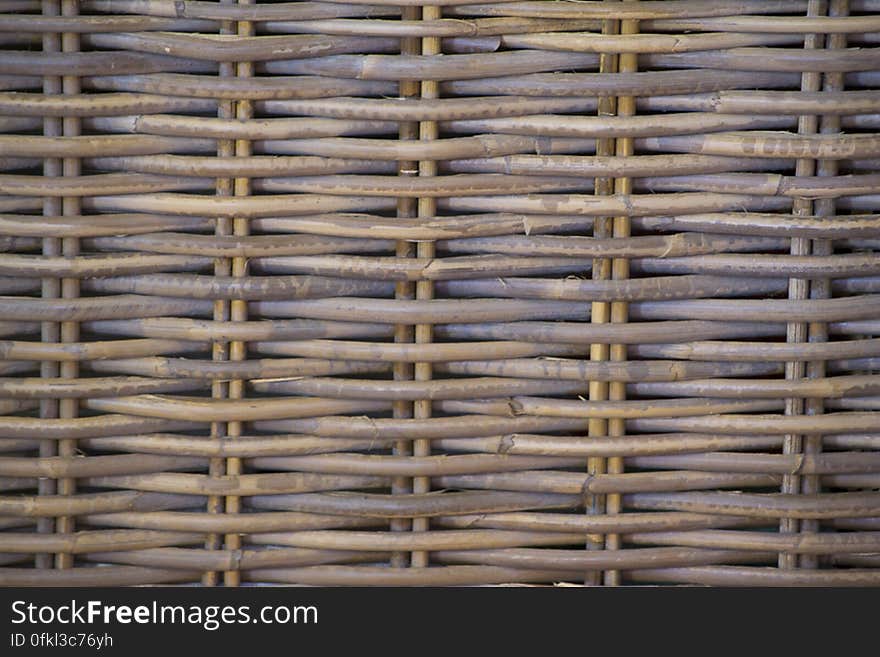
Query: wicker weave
390,294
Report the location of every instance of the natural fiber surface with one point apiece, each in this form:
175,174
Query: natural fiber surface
514,292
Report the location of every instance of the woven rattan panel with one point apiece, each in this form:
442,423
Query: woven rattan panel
391,294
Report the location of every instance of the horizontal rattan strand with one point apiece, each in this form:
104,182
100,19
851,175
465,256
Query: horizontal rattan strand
744,576
107,576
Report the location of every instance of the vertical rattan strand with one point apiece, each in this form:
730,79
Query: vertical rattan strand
407,207
626,106
424,333
238,308
222,267
821,288
798,288
70,288
600,310
50,287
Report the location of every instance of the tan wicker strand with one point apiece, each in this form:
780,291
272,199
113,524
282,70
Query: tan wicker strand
424,289
799,287
822,288
222,267
50,287
480,293
599,312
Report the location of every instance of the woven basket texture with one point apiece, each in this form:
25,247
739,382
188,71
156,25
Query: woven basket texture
527,292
